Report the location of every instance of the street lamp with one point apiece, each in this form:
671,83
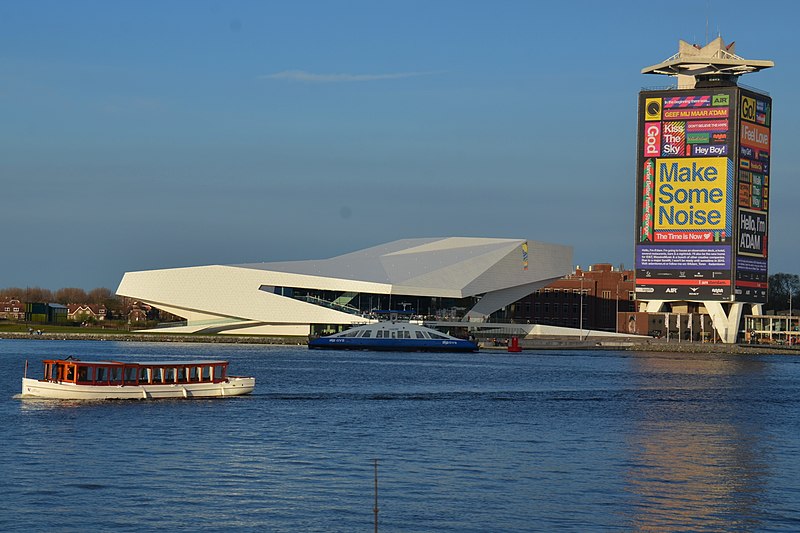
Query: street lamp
581,310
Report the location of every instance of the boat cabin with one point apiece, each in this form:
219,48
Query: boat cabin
384,332
118,373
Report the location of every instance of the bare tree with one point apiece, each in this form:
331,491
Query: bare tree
100,295
12,293
37,294
71,295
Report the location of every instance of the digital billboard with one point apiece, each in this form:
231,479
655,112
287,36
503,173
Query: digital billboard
753,173
702,194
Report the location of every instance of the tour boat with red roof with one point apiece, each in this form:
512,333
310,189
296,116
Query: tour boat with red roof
73,379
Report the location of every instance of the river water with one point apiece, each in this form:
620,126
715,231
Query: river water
538,441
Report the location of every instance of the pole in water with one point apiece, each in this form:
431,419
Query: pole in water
375,507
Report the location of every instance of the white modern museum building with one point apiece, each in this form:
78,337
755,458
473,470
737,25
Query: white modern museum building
452,279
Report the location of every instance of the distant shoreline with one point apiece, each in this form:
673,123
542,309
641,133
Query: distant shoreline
154,337
527,345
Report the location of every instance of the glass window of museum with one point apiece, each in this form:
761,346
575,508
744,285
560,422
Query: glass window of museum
598,293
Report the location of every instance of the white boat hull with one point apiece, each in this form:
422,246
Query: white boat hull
234,386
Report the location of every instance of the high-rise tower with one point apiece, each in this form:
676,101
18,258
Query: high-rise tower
703,186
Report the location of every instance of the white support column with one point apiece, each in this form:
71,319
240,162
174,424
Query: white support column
726,324
654,306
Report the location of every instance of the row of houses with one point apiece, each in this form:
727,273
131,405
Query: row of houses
14,309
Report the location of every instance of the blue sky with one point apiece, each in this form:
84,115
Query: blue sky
140,134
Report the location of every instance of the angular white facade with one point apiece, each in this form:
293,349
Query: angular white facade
287,298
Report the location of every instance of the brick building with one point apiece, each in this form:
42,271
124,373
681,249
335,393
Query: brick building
12,310
595,295
81,312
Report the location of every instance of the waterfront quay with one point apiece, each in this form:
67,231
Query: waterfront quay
635,344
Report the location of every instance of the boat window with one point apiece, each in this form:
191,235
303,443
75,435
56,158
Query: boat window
406,334
419,335
206,373
437,336
367,333
182,374
350,334
393,335
169,375
84,376
115,375
101,374
143,375
130,374
193,373
158,375
70,373
219,372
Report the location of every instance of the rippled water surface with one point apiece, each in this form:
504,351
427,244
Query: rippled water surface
539,441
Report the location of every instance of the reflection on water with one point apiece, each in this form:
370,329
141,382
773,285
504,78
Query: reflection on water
34,405
697,463
690,476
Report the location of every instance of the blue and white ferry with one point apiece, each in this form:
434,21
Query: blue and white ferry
395,336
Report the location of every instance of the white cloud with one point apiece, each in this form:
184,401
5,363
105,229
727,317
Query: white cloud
310,77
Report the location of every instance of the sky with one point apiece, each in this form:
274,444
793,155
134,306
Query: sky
145,134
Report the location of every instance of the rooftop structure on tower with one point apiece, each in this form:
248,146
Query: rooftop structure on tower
713,65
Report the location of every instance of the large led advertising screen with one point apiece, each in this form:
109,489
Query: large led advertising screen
695,237
754,139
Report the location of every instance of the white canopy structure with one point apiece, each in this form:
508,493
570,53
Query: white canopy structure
467,278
